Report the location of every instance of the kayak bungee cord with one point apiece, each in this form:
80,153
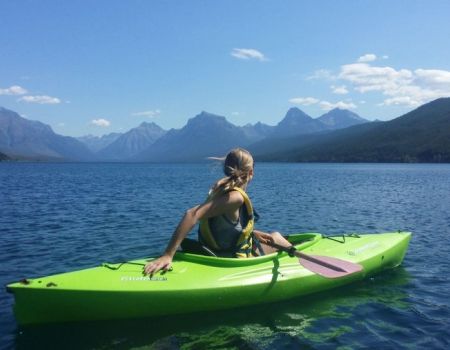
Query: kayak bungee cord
354,235
108,265
114,268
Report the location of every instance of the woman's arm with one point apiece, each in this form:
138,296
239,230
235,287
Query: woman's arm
263,237
186,224
267,240
225,203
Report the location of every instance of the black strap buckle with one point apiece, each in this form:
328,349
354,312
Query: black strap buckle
291,251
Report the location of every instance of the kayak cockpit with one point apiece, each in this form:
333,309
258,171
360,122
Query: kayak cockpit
194,252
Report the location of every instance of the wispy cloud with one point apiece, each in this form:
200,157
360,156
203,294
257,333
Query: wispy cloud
101,122
13,90
339,90
248,54
41,99
148,114
368,57
304,101
324,105
17,90
322,74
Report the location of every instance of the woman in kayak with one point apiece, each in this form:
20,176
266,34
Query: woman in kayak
226,218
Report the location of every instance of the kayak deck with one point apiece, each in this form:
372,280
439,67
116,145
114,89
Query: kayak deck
199,283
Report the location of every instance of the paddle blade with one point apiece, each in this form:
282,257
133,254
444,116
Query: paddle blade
325,266
329,267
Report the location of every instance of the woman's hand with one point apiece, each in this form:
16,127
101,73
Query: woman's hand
263,237
164,263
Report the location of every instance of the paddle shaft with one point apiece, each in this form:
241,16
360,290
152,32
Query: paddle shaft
298,254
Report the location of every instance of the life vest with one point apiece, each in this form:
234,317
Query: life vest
243,247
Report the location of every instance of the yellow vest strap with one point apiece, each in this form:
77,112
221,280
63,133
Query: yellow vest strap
245,237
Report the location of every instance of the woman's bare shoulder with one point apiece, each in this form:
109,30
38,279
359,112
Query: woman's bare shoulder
236,197
231,196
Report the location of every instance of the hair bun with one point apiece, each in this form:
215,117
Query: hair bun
237,166
237,173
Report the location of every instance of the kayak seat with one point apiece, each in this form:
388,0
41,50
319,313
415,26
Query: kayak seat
193,246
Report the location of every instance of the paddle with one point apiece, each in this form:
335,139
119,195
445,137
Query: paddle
325,266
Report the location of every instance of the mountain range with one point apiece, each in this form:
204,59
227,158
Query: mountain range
204,135
131,143
21,138
422,135
3,156
97,143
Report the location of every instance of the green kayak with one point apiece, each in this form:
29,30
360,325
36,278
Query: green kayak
202,283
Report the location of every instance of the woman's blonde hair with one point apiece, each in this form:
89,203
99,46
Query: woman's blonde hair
237,165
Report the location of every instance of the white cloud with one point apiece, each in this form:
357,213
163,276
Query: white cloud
339,90
400,101
369,57
247,54
304,101
326,106
13,90
402,87
101,122
433,77
365,77
321,74
41,99
149,114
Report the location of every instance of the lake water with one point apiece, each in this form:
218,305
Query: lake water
62,217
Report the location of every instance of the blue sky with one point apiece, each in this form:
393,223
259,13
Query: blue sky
94,67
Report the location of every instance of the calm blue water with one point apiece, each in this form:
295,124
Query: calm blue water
60,217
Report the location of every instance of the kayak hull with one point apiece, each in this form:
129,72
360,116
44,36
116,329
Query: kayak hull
199,283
